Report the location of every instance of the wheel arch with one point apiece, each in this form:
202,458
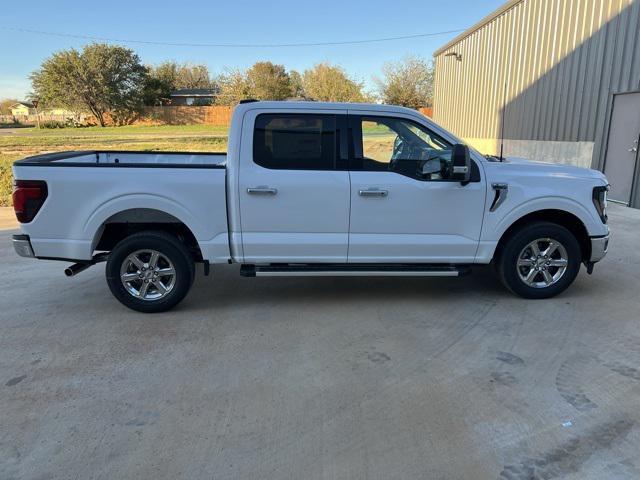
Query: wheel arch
560,217
124,223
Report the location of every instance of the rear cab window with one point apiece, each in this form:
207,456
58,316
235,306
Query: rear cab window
288,141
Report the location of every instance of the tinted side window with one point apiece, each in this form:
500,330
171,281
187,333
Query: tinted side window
295,141
401,146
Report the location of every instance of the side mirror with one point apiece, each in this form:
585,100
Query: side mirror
460,163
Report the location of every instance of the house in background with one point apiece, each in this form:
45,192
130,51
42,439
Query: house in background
26,108
193,96
22,108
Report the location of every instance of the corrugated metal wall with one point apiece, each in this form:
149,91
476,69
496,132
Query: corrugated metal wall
555,65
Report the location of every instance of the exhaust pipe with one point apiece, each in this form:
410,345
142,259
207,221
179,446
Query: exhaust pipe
76,268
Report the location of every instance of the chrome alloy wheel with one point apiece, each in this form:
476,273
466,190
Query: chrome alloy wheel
148,275
542,263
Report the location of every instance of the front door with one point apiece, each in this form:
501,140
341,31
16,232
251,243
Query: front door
403,207
294,201
622,148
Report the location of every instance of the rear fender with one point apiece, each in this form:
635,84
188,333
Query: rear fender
93,226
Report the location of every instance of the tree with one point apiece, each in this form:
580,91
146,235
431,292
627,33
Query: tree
330,83
101,78
297,89
160,82
5,105
170,76
165,72
193,76
408,83
268,81
234,87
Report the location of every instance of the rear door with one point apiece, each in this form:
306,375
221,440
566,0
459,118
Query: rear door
403,207
293,190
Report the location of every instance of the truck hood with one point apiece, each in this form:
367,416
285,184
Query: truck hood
523,166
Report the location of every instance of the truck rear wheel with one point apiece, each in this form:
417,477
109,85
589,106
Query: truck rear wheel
539,260
150,271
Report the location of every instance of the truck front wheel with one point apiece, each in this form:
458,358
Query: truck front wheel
150,271
539,260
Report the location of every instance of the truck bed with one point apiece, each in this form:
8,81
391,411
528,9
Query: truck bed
89,189
126,159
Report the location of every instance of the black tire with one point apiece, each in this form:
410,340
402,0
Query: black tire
507,261
168,246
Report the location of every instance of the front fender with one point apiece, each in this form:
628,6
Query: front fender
496,223
593,225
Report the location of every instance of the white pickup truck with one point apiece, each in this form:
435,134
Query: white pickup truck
310,189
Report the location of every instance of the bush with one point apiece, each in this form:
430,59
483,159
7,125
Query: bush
52,124
13,124
71,122
6,180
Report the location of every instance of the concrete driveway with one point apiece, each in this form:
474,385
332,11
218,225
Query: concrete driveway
322,378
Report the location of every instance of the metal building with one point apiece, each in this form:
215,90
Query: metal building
560,79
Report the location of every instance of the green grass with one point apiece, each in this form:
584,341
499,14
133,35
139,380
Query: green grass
33,140
20,143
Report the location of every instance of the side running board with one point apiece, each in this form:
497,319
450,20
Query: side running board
354,270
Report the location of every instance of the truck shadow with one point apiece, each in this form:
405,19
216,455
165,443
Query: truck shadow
225,288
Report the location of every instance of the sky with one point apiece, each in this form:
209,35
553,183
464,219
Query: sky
232,22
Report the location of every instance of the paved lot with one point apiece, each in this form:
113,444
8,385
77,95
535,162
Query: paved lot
322,378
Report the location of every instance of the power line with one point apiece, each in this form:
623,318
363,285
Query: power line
229,45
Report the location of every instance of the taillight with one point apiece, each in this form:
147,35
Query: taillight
28,197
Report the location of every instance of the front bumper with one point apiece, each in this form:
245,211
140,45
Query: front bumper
599,247
22,246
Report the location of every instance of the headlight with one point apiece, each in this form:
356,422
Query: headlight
600,201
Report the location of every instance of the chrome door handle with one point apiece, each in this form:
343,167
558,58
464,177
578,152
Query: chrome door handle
373,193
262,191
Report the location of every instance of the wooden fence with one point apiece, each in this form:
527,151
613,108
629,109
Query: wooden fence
186,115
212,115
182,115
